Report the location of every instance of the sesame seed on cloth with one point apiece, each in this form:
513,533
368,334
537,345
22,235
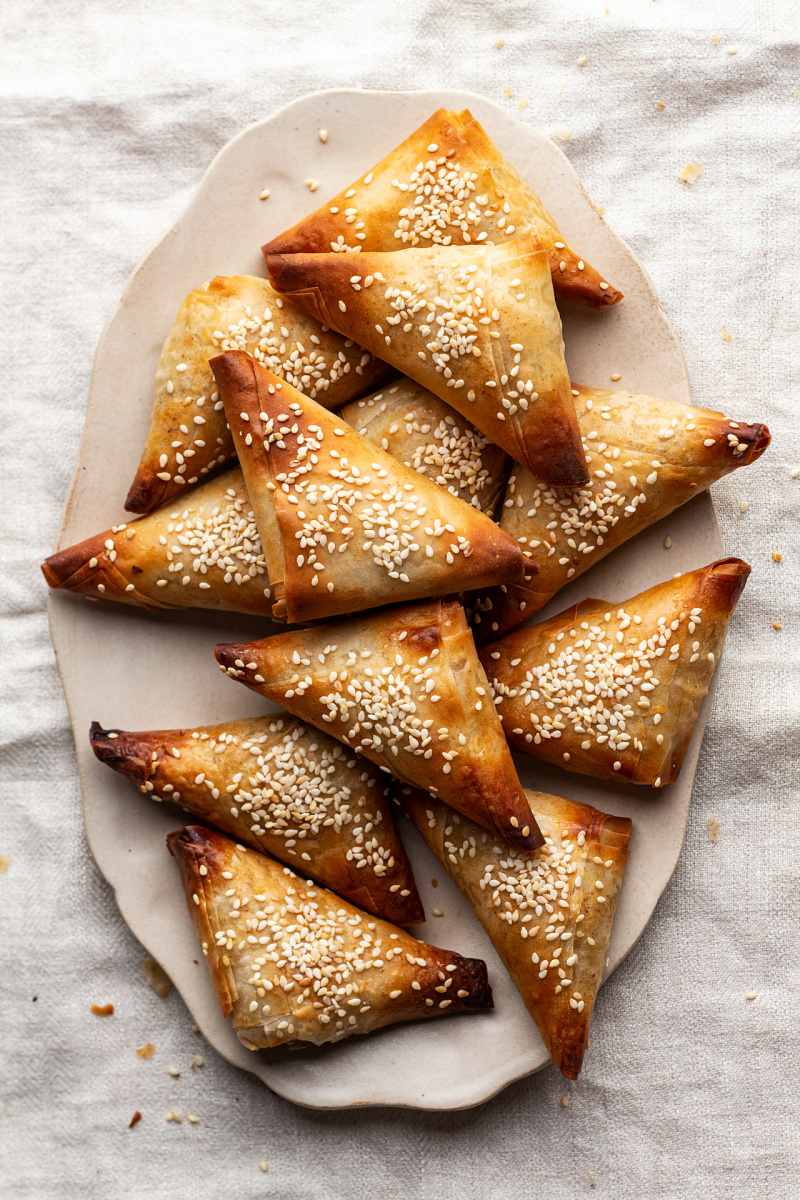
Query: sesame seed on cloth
345,525
405,688
292,962
611,690
283,787
188,436
547,911
646,457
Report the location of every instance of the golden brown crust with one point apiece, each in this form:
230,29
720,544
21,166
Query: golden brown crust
285,789
396,205
290,961
344,525
614,690
210,556
478,326
433,439
548,912
405,688
646,458
188,435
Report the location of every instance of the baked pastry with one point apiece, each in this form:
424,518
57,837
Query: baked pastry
548,912
291,962
202,551
614,690
434,440
405,688
476,325
280,786
646,457
446,184
188,435
344,525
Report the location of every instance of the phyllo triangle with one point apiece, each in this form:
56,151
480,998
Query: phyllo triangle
291,962
446,184
548,912
344,525
405,688
282,787
614,690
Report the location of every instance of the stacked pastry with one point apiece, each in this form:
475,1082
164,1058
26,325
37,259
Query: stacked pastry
381,447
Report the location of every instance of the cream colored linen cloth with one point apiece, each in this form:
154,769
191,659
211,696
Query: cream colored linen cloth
111,111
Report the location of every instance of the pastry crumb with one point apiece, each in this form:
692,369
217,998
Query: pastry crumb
565,1101
592,1181
264,195
715,40
509,90
523,104
135,1119
197,1061
598,208
102,1010
323,135
434,883
264,1165
713,829
667,543
793,474
192,1118
174,1116
616,376
582,61
156,976
731,49
195,1029
726,337
563,134
750,995
743,506
437,912
312,184
777,625
173,1071
146,1051
5,863
690,173
777,556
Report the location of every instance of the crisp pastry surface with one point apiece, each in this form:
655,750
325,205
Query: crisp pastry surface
404,686
433,439
646,457
614,690
292,962
548,912
476,325
283,787
201,551
446,184
344,525
188,434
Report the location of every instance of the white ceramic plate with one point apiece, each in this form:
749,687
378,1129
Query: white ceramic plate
136,670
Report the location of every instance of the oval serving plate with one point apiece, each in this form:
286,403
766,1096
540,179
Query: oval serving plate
137,670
